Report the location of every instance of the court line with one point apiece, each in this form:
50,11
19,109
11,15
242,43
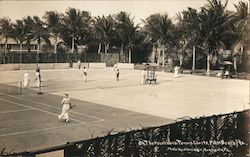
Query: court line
54,107
38,109
46,129
16,111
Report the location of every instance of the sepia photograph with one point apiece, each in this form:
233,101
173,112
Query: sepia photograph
124,78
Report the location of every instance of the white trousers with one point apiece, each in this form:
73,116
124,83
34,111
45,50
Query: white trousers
85,78
38,82
65,112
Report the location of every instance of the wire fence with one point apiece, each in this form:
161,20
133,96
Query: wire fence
33,57
224,135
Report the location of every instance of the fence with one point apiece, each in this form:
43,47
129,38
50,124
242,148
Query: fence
32,57
221,135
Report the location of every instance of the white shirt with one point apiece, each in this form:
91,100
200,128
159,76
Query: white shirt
66,101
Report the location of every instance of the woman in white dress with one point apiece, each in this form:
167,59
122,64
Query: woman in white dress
26,79
66,102
176,71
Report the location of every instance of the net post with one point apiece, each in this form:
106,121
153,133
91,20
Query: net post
40,88
20,87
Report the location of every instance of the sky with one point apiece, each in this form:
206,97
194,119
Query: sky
138,9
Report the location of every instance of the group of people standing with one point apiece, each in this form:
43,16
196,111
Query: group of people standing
26,78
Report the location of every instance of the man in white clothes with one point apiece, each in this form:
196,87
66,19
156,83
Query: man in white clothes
85,74
38,77
115,67
66,102
79,64
26,79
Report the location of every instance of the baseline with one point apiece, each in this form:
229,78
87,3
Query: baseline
19,104
53,107
46,129
13,111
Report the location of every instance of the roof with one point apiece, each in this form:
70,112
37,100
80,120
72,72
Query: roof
12,41
226,63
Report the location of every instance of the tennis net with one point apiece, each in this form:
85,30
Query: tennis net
11,88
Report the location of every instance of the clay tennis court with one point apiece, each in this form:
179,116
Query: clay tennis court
29,121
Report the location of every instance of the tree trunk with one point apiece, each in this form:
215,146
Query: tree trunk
99,48
152,57
106,48
55,46
21,54
5,50
181,59
37,54
129,55
55,49
163,58
159,56
208,64
73,44
122,47
235,66
193,67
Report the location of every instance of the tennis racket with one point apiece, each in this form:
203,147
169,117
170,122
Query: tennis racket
72,106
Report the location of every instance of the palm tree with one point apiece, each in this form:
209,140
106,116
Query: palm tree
29,24
187,29
76,24
235,33
6,28
213,20
132,35
39,33
126,30
159,28
240,18
122,19
19,33
104,30
53,22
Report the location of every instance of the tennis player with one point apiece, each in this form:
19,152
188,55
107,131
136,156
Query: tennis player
66,102
26,79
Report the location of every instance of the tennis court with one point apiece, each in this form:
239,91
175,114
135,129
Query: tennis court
29,121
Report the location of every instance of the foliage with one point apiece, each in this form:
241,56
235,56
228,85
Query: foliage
212,28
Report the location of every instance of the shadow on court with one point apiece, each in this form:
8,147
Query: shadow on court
29,121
